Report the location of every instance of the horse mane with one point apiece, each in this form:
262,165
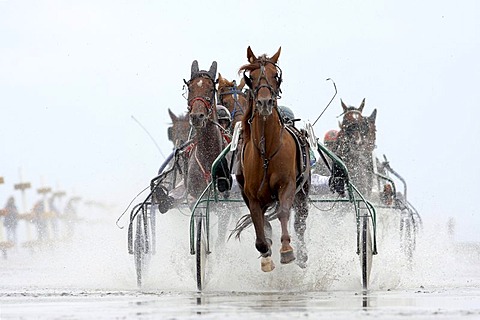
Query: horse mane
255,64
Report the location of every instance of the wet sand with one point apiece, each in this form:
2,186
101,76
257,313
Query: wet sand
85,304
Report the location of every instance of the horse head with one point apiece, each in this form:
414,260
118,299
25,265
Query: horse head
355,129
264,81
231,96
179,131
201,95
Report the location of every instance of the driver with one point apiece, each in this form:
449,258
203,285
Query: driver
224,117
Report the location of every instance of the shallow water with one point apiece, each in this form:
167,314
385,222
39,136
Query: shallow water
92,276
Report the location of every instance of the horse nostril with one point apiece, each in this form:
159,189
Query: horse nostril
259,103
270,102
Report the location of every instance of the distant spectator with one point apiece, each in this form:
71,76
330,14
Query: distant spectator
55,213
70,216
10,221
39,220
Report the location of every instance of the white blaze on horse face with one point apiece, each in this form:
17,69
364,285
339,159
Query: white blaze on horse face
200,83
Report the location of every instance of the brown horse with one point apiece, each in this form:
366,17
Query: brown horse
180,130
235,100
231,96
355,144
203,117
272,173
208,141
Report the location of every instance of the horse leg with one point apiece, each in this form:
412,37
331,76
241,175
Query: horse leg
267,262
301,214
283,213
261,243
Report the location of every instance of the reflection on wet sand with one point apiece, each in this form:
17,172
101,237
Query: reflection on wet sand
365,301
272,302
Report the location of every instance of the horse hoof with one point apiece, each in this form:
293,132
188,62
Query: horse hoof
287,257
267,264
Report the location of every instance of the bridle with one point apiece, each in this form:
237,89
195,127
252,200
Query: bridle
207,101
275,92
233,90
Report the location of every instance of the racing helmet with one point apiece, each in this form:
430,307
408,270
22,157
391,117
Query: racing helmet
286,113
223,113
330,136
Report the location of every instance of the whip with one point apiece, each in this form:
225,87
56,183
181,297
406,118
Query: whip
335,87
150,137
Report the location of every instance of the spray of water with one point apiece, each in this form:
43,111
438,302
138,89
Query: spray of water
96,258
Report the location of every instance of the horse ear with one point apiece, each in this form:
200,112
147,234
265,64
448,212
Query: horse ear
173,116
344,106
276,55
221,81
242,84
250,56
339,124
373,116
361,105
213,70
194,68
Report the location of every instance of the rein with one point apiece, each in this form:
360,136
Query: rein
206,173
263,151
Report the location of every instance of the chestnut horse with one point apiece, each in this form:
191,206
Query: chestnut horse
231,96
208,142
272,174
355,144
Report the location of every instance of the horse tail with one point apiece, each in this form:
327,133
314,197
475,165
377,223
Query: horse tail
246,221
243,223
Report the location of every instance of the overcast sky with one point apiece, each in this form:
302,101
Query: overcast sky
73,73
